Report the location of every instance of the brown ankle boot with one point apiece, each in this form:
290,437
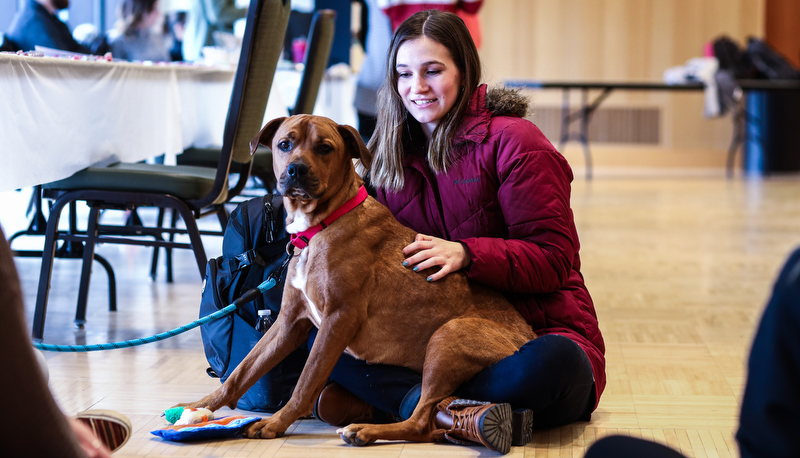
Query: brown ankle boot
338,407
473,422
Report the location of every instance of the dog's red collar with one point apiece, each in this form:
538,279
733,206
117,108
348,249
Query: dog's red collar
301,239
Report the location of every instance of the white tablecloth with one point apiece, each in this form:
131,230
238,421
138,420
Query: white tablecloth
59,116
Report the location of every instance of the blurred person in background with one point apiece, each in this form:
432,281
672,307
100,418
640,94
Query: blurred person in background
139,33
37,24
176,25
373,68
383,17
400,10
203,19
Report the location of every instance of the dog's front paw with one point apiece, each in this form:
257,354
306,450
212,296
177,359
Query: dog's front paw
212,402
263,429
351,435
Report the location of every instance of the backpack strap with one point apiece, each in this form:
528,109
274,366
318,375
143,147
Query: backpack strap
257,256
266,247
242,260
262,242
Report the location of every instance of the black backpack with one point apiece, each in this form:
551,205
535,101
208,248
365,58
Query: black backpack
731,57
253,248
769,63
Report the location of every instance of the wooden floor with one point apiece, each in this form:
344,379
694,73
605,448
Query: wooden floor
679,268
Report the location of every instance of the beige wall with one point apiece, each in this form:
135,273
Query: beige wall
620,40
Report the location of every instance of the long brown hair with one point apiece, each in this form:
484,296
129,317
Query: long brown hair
395,129
130,14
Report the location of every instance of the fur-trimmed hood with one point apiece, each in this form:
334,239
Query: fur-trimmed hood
502,101
487,103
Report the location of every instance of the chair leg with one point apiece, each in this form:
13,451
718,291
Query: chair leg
168,251
38,222
154,261
46,272
222,216
112,282
133,218
194,238
173,225
74,249
86,271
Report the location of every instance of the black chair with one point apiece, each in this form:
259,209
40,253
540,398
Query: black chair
67,250
316,61
192,192
320,40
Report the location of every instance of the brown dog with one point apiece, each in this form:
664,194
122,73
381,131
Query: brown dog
350,283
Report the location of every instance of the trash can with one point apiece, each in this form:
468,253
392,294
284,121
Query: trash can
772,131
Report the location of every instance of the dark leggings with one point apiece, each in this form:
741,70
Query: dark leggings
550,375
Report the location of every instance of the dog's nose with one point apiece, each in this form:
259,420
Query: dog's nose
297,169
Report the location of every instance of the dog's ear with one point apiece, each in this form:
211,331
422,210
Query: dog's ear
353,140
265,136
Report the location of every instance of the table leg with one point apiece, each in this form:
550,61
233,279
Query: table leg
586,113
738,136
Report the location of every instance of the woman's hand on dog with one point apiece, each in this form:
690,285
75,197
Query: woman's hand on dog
429,252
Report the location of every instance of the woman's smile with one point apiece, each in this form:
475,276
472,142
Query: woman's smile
428,81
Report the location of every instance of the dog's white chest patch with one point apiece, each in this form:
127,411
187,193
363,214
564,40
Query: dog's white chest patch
299,224
300,281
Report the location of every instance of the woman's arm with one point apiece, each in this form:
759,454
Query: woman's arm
541,246
428,252
538,253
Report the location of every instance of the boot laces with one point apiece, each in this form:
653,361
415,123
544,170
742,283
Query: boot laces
465,423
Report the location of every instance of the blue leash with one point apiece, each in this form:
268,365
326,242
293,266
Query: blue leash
245,298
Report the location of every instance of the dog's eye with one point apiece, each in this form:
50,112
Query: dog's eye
324,149
284,145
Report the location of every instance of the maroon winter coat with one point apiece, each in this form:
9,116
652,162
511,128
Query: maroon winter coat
507,197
